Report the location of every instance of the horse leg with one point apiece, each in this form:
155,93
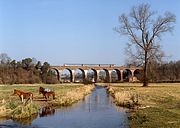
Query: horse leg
45,96
22,98
31,97
53,95
27,100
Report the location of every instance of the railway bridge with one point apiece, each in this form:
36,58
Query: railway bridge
122,72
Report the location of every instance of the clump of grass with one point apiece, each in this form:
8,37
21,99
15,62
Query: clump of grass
3,111
24,111
72,96
17,110
124,98
12,104
6,108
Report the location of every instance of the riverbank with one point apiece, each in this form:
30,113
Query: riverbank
155,106
66,95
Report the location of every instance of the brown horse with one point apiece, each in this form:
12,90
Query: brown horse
45,93
23,95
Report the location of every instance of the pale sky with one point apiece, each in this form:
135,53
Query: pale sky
75,31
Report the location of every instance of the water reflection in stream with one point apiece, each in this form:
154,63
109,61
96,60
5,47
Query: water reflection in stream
96,111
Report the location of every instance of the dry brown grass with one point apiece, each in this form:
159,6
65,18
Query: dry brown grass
159,103
72,96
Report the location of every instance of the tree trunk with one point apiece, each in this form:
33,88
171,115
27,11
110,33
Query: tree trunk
145,81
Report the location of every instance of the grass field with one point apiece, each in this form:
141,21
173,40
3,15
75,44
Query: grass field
159,104
11,106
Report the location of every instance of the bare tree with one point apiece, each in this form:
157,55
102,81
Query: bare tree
4,58
144,30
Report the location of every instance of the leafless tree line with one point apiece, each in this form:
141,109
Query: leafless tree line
164,72
30,71
26,71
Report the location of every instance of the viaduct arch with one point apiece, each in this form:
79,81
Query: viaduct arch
123,73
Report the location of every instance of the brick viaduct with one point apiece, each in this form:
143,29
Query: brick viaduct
108,68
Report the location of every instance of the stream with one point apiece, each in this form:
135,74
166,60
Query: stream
97,110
